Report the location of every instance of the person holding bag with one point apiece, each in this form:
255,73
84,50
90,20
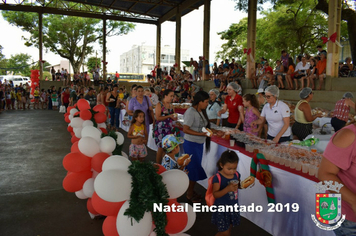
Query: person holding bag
143,103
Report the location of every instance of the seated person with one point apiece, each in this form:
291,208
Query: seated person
321,69
344,69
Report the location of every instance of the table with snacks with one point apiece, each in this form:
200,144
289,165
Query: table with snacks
294,170
180,108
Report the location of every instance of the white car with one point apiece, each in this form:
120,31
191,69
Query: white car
16,79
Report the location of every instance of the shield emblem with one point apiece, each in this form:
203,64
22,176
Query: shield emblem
328,207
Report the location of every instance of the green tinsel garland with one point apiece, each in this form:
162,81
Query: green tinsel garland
147,189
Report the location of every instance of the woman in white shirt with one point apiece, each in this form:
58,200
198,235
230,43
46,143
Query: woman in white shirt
277,115
214,107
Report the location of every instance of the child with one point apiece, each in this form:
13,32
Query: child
36,94
13,98
170,145
54,97
43,99
138,135
121,93
225,193
252,113
19,99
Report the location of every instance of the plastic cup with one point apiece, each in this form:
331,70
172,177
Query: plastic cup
232,142
299,165
305,167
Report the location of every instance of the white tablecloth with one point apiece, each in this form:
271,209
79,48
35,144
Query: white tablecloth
288,187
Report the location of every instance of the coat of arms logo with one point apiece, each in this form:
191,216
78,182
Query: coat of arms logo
328,206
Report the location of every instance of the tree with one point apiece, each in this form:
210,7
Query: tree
347,14
69,37
3,61
19,63
295,27
93,62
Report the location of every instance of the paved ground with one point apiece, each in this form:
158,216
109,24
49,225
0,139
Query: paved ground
32,200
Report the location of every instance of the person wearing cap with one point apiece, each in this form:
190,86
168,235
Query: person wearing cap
214,107
321,69
342,111
170,145
233,102
303,125
277,115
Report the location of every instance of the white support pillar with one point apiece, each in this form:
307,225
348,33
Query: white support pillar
206,39
178,38
332,49
251,36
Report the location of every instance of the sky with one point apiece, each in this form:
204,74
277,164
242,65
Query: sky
223,14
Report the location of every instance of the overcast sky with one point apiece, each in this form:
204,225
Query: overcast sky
223,15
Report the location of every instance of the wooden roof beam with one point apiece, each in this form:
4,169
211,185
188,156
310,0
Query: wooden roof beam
186,4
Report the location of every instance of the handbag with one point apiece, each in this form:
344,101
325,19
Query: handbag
150,119
62,109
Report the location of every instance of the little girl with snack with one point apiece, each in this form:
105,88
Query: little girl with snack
252,114
138,135
225,192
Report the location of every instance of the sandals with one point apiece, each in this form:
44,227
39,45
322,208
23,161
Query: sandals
196,198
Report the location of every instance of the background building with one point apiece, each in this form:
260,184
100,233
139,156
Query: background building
142,58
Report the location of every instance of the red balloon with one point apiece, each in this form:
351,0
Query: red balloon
91,208
104,130
85,114
83,104
76,162
77,113
72,133
66,119
109,226
74,139
100,117
176,221
70,128
74,180
100,108
106,208
161,169
98,160
75,147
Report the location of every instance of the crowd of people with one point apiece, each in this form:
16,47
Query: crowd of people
262,114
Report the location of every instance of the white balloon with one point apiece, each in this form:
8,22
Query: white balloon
87,123
107,144
88,146
120,138
91,131
70,117
80,194
176,182
76,122
116,162
88,187
95,173
126,226
77,132
73,111
102,125
153,233
124,154
113,185
191,219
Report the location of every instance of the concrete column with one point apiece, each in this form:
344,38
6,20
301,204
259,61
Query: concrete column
158,45
40,48
104,49
251,35
206,40
332,49
178,38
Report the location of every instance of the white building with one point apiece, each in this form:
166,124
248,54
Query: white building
142,59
